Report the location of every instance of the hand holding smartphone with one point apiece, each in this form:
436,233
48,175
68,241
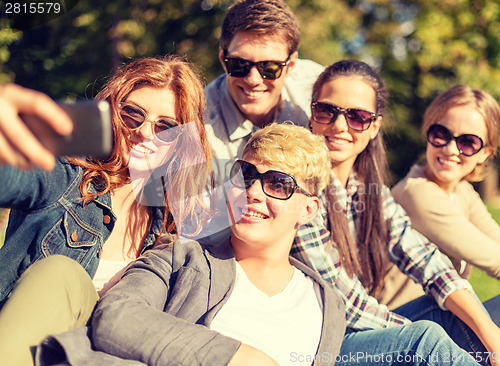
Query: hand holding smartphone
92,130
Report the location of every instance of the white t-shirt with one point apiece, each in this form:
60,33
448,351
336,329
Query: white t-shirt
107,275
286,326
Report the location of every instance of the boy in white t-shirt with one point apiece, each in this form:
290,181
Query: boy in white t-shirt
241,300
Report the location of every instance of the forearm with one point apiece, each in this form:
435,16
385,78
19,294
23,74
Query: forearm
466,307
119,325
143,306
248,356
422,261
34,189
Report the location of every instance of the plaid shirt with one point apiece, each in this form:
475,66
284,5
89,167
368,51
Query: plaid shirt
409,250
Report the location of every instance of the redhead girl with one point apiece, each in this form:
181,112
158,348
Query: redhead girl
90,209
361,229
462,127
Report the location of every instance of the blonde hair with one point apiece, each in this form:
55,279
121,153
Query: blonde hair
296,149
485,105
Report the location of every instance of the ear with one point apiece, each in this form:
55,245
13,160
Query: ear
309,211
375,127
486,152
221,58
293,58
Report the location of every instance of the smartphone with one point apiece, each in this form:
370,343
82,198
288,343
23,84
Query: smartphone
92,131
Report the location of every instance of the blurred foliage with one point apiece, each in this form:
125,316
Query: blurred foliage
421,47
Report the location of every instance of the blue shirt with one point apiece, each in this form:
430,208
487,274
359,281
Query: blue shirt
48,217
228,130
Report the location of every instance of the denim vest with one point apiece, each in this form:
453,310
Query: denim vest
48,217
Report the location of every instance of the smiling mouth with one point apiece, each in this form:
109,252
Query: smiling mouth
142,149
337,141
253,94
447,162
254,214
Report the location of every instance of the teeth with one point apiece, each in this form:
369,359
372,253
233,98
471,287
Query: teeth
255,214
447,162
142,149
337,141
252,93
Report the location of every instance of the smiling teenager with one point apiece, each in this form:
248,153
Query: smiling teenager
86,209
264,80
360,230
238,301
462,126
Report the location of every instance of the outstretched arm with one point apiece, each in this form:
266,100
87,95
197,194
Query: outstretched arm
465,306
18,146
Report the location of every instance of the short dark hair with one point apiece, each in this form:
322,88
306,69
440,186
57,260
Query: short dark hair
266,17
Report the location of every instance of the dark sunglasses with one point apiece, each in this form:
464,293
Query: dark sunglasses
275,184
357,119
239,67
134,117
468,144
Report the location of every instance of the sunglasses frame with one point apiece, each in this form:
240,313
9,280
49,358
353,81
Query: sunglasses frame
344,112
452,137
257,64
146,119
260,176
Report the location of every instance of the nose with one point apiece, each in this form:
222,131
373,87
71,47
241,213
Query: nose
146,129
255,193
451,148
340,124
254,77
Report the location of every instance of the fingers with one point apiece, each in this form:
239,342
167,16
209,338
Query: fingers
18,146
9,156
33,102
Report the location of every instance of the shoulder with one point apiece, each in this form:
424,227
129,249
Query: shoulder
310,272
212,90
330,295
465,189
415,187
305,70
170,247
184,251
216,97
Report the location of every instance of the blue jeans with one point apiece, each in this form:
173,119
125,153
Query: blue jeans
420,343
426,308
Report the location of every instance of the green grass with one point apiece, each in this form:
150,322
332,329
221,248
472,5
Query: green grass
485,286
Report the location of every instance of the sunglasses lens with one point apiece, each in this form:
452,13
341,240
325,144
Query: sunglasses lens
131,116
469,144
278,185
324,114
165,131
242,174
439,136
238,67
359,119
269,69
274,184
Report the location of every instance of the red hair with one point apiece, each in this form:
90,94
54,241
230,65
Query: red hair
180,77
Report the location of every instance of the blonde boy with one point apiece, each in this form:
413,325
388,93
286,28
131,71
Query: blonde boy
242,300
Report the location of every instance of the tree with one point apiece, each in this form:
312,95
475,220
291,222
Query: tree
420,47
